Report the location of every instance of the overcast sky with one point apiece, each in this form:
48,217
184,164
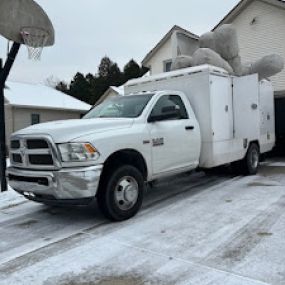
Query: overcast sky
87,30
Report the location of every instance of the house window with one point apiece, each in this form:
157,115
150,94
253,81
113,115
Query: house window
35,119
167,65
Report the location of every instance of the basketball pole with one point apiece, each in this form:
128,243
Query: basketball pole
4,73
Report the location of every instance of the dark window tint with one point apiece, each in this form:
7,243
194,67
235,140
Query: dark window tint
120,107
170,101
178,102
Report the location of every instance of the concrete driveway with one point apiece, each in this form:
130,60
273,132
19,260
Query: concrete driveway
193,229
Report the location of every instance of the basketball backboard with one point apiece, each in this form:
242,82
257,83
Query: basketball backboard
22,16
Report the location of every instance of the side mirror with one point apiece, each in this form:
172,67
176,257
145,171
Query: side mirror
167,113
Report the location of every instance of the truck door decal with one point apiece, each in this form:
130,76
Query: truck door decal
158,142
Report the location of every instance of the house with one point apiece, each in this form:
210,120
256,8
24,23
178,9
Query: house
112,91
27,104
261,31
177,41
260,26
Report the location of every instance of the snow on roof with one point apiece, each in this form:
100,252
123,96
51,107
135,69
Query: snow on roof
119,90
29,95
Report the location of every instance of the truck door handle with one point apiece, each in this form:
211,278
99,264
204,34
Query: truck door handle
189,128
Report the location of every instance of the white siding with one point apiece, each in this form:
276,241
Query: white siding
183,45
156,63
177,44
22,116
265,36
19,118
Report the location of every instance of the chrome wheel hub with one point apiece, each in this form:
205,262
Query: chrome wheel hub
126,193
254,159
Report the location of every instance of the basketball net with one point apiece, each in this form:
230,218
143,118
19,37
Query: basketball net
35,40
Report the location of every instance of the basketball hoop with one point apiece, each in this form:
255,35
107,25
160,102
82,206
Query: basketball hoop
35,39
22,22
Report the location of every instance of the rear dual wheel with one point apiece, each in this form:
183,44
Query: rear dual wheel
249,165
251,161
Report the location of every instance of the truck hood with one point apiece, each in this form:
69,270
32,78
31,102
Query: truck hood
69,130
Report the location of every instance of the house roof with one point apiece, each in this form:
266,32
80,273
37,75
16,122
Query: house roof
43,97
119,90
164,40
242,5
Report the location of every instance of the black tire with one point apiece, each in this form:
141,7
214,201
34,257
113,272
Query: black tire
111,189
251,161
247,166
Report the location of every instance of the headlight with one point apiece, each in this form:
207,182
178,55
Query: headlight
78,152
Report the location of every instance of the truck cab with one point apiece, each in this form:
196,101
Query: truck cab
149,135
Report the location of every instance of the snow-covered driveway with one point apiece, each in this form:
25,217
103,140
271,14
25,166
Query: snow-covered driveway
192,230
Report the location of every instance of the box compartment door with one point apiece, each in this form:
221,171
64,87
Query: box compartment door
246,107
221,108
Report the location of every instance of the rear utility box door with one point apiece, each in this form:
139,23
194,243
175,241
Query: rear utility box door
246,107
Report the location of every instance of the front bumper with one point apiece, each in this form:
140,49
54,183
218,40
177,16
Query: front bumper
65,186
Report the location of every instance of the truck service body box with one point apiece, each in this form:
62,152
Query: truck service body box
231,111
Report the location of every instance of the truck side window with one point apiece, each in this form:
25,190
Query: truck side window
178,101
170,101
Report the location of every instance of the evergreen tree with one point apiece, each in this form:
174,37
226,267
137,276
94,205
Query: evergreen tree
115,76
91,87
80,88
144,70
132,70
104,67
62,86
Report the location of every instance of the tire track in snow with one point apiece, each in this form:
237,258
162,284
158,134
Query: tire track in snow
247,238
101,229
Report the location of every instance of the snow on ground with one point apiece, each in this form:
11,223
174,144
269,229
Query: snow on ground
196,229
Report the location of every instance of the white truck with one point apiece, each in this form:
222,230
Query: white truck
198,117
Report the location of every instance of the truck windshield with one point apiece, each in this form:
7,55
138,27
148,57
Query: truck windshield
120,107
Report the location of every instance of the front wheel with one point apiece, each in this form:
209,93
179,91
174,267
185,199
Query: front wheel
121,194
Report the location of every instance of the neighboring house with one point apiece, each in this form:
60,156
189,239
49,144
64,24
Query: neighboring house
260,26
112,91
177,41
27,104
261,31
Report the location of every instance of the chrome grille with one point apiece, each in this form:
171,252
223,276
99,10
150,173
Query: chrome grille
33,153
